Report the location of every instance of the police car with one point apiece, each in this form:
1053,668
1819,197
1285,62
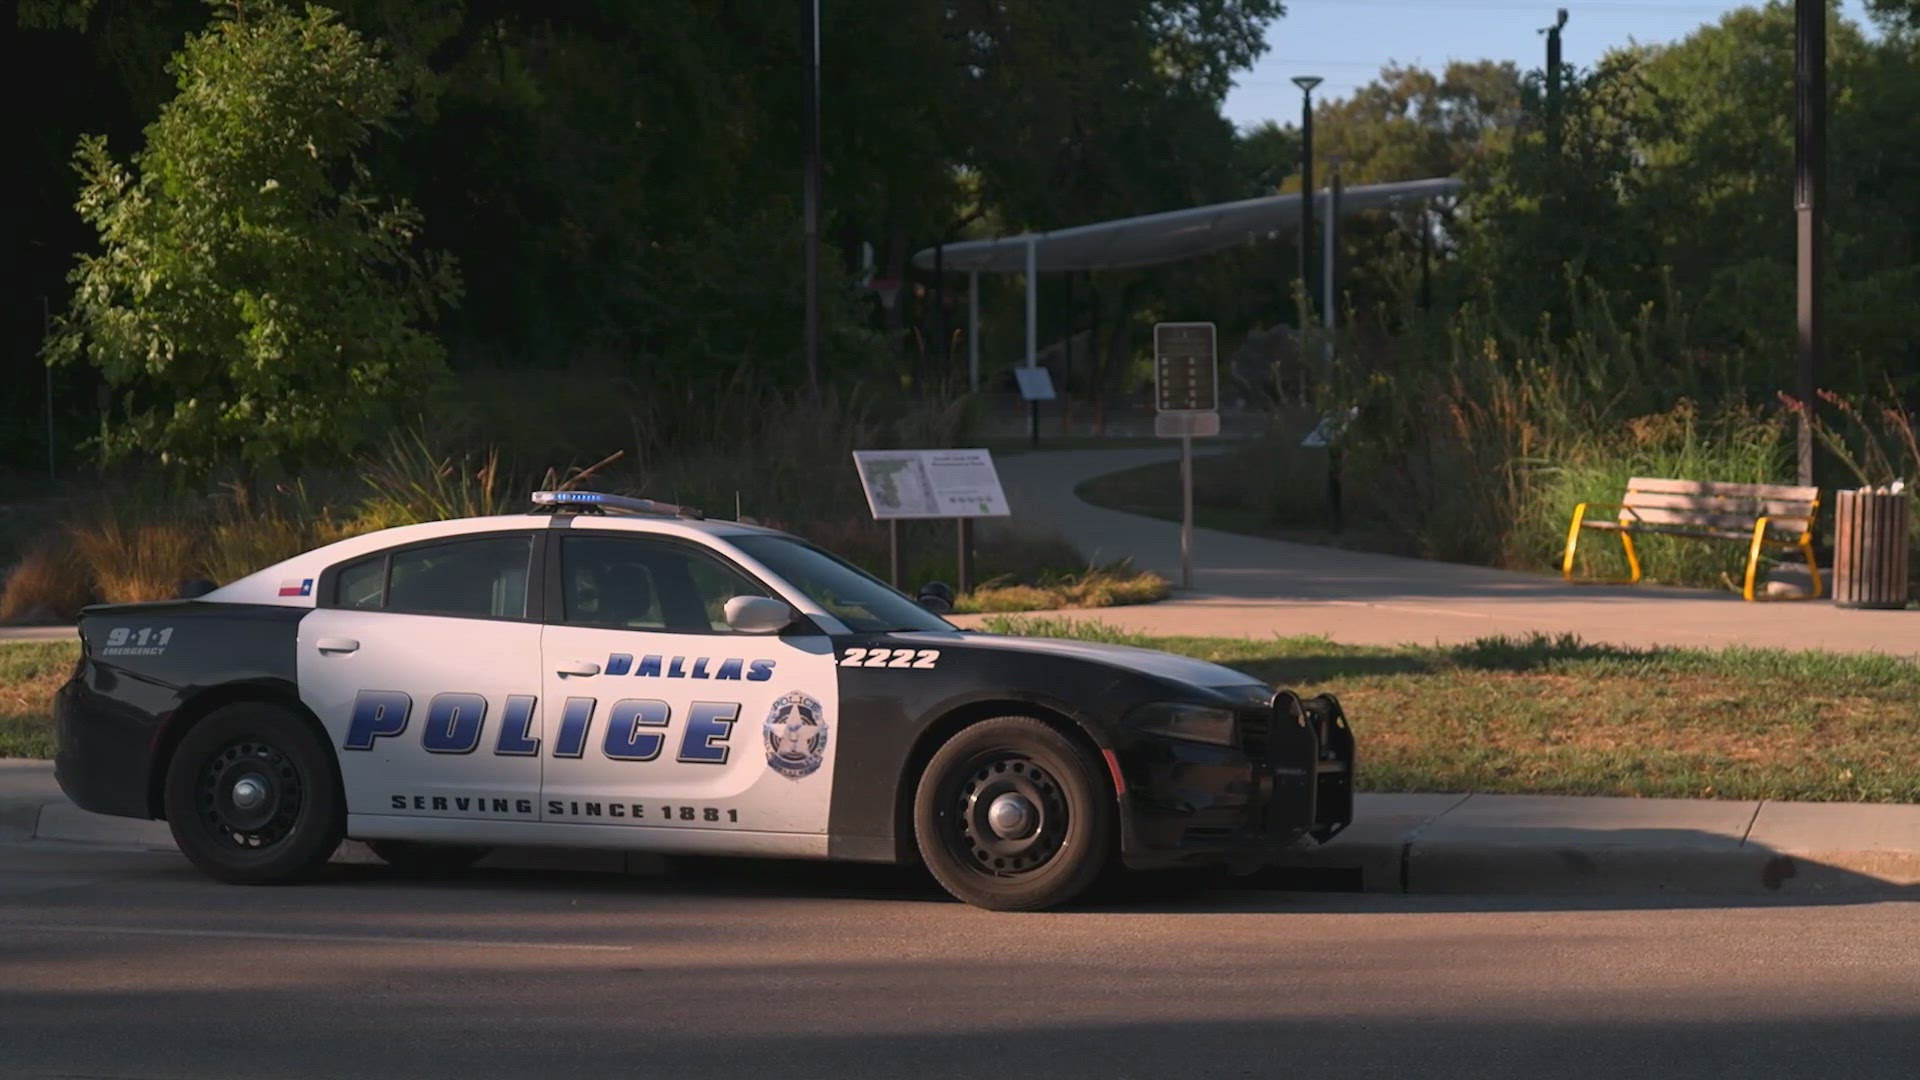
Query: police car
618,673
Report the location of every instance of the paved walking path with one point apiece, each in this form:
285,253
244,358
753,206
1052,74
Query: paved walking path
1248,586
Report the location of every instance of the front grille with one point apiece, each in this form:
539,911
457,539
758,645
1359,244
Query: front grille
1256,732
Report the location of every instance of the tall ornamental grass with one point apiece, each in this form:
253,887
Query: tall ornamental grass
1475,441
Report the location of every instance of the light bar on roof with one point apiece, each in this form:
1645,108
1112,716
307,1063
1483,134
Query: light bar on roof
606,503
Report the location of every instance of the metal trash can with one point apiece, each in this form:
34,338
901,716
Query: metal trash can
1870,547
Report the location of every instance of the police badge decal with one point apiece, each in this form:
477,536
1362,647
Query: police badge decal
796,736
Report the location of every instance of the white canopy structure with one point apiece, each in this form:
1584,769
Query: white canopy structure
1152,239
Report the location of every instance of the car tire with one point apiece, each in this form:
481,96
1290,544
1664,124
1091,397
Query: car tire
1012,815
252,796
418,858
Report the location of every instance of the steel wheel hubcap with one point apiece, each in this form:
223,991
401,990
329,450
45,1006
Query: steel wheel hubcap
250,795
1011,815
249,792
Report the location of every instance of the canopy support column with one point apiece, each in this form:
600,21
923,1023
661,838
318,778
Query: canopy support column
1033,301
1033,333
973,331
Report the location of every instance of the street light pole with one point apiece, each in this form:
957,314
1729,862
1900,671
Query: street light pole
1809,177
1553,78
1306,83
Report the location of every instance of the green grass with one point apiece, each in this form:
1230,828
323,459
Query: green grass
29,674
1558,716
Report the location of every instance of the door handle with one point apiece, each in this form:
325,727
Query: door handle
576,667
336,645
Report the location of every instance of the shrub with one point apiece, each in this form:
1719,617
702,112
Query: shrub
254,298
410,481
1097,586
132,557
1074,629
49,583
248,530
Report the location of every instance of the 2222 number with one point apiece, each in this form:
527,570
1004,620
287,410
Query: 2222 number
857,656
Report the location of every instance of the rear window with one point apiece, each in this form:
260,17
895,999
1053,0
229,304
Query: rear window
483,577
362,584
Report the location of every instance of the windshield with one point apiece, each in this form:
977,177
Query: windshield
845,591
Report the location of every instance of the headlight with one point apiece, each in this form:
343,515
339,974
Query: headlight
1200,723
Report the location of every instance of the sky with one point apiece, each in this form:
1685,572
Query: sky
1346,41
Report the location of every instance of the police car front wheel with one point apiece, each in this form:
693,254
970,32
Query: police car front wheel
1012,815
251,796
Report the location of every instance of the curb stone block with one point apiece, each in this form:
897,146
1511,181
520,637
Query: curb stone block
1376,843
1469,867
1840,847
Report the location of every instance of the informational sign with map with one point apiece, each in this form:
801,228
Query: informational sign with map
930,483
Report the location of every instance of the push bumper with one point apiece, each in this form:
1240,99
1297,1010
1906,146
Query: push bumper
1290,779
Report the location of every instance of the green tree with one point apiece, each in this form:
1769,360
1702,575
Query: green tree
1411,123
254,300
1567,204
1407,124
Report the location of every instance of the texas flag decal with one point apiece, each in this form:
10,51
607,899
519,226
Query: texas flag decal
296,587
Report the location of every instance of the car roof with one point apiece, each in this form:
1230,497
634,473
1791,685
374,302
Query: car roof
263,586
639,523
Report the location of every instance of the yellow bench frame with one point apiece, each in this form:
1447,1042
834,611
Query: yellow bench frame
1628,522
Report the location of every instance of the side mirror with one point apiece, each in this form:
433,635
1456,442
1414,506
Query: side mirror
759,614
936,597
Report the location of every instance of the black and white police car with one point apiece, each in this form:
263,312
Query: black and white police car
618,673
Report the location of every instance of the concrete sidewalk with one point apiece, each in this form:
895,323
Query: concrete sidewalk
1514,844
1252,587
39,633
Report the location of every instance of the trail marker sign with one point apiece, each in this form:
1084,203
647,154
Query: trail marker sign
1186,401
1186,369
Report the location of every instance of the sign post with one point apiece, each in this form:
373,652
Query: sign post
1036,386
1186,398
918,484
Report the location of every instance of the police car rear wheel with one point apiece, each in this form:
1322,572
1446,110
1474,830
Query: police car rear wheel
427,860
251,797
1012,815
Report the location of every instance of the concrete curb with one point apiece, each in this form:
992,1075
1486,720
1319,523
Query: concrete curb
39,633
1538,844
1421,843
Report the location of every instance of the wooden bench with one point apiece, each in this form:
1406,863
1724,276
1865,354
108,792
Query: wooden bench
1761,515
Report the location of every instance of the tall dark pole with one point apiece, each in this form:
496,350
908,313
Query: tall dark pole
46,331
1809,177
1553,79
1306,83
810,104
940,307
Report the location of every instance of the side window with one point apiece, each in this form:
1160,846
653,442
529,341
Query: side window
362,584
626,583
483,577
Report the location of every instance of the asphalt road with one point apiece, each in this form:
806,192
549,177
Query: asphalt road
128,964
